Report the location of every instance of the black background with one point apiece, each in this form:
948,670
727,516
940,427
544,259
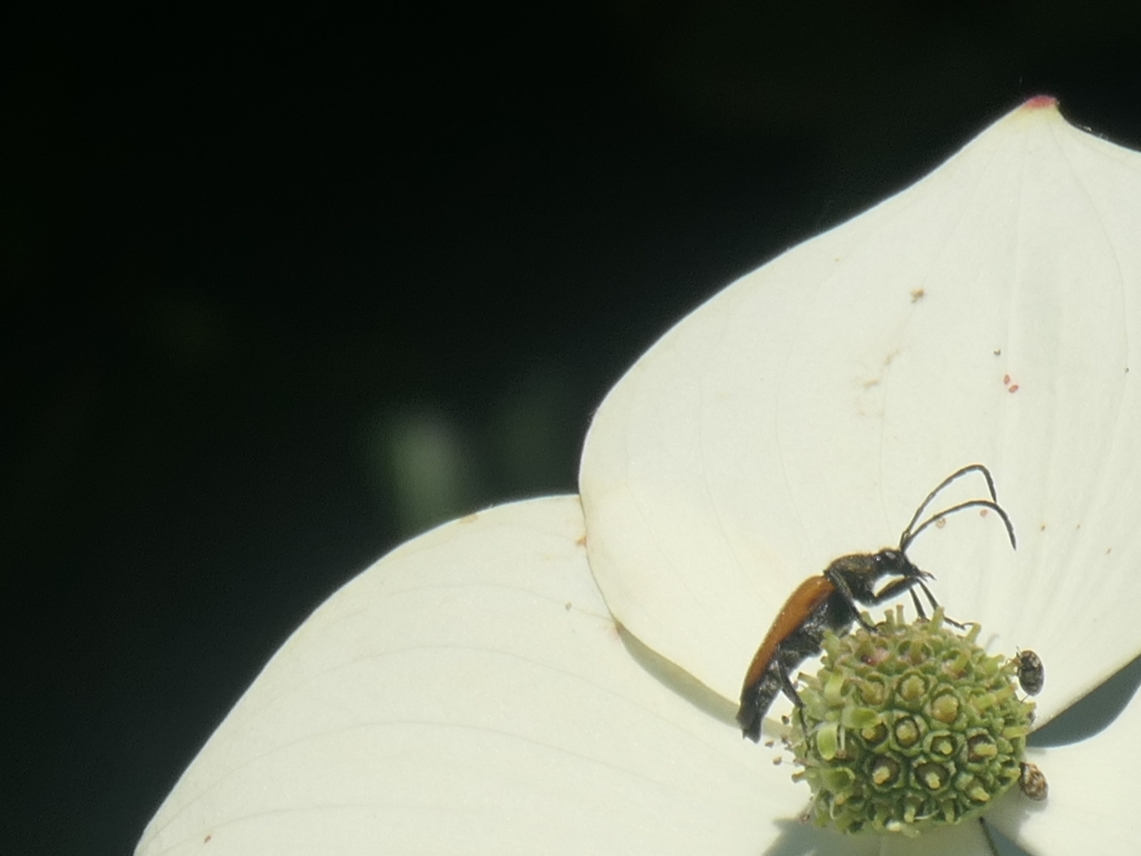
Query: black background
243,254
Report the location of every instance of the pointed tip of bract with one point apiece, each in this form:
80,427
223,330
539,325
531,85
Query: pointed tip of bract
1039,110
1040,102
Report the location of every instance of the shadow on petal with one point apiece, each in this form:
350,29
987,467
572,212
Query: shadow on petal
1001,845
1093,712
679,680
799,838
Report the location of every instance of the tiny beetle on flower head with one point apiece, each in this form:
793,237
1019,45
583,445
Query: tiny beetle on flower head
1032,782
1031,672
828,602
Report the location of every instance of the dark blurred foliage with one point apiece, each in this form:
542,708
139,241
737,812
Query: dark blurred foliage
283,290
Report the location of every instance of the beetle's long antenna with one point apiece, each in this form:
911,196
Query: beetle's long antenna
908,535
911,534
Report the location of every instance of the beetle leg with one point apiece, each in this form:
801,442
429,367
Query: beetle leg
935,605
787,685
794,696
918,606
842,589
895,587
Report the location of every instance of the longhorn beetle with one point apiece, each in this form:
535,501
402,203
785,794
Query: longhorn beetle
828,602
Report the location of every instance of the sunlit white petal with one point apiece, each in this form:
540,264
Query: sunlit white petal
470,694
1092,797
991,313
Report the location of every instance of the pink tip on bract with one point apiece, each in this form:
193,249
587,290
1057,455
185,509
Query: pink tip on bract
1040,101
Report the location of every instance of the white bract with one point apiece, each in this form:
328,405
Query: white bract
472,694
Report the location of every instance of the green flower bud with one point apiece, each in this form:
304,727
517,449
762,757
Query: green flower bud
909,727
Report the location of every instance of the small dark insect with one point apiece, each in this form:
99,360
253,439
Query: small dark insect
828,602
1032,782
1031,672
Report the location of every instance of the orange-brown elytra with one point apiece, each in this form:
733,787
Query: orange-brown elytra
829,602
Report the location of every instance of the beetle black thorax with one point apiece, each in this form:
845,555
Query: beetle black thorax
859,572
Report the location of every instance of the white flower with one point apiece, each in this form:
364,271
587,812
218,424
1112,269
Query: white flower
472,693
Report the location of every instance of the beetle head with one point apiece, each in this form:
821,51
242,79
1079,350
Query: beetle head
895,562
862,572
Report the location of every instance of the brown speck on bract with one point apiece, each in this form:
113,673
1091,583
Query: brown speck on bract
206,840
581,540
941,522
998,352
917,295
1006,380
1042,528
1013,388
983,511
471,518
568,606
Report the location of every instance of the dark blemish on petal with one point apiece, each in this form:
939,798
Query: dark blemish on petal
581,540
471,518
1013,388
568,606
998,352
917,295
1006,380
1042,528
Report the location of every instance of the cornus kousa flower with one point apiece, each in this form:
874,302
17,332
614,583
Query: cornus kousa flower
562,676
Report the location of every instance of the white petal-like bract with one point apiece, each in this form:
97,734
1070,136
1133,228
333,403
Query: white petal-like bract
1091,799
989,314
470,694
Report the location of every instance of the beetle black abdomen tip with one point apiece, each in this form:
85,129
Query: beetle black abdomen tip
750,722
